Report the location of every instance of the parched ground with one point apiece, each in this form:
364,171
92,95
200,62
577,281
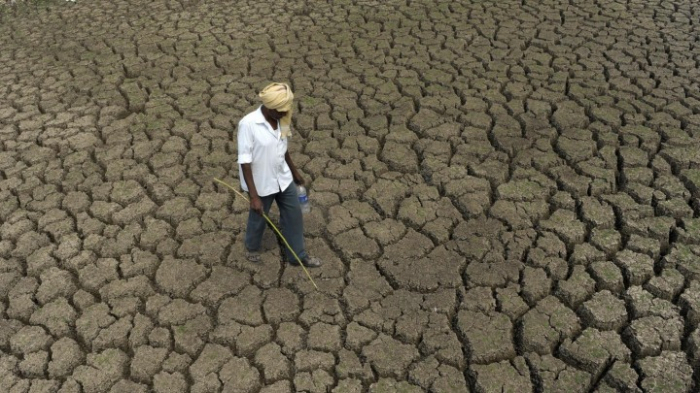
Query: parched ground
506,195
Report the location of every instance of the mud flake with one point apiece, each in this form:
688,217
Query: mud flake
93,276
510,302
546,325
278,387
557,376
40,261
577,288
58,317
34,364
179,312
309,360
178,277
290,337
210,360
623,377
30,339
244,308
102,371
355,244
389,357
147,362
116,335
138,286
177,362
274,364
488,337
385,231
438,269
643,304
357,336
416,212
565,224
536,285
649,336
608,240
505,376
238,375
667,285
607,276
387,385
222,282
594,350
126,192
315,381
324,337
125,386
169,383
55,283
604,311
496,274
365,284
690,301
668,372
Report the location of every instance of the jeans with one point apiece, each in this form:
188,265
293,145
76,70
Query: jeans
291,221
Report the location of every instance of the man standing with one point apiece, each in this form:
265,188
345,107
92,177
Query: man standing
268,173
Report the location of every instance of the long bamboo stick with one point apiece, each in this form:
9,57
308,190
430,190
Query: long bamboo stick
276,230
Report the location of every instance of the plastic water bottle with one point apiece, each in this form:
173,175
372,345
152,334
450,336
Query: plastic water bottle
303,199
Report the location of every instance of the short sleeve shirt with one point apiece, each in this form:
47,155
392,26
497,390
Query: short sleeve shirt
264,149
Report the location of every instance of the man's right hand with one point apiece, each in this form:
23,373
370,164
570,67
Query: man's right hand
256,205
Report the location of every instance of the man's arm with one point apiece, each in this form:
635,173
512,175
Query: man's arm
245,158
298,179
255,202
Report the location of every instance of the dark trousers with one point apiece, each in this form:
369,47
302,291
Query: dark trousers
291,221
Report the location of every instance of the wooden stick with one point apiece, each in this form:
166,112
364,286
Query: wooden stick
276,230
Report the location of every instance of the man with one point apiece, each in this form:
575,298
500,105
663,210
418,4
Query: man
268,173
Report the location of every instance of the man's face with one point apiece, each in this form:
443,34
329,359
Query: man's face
275,114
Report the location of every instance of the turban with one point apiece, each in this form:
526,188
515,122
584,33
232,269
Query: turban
279,96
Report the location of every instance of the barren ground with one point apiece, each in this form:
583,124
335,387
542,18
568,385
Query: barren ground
506,196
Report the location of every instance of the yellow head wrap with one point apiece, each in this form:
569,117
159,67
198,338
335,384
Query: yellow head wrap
279,96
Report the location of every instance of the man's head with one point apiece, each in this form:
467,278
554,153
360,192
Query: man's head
278,98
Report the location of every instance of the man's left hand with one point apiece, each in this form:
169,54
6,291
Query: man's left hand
299,180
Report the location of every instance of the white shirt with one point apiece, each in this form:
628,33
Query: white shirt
263,148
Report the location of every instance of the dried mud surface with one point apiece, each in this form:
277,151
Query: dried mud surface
506,197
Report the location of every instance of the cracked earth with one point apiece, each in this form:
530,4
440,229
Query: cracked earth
506,196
